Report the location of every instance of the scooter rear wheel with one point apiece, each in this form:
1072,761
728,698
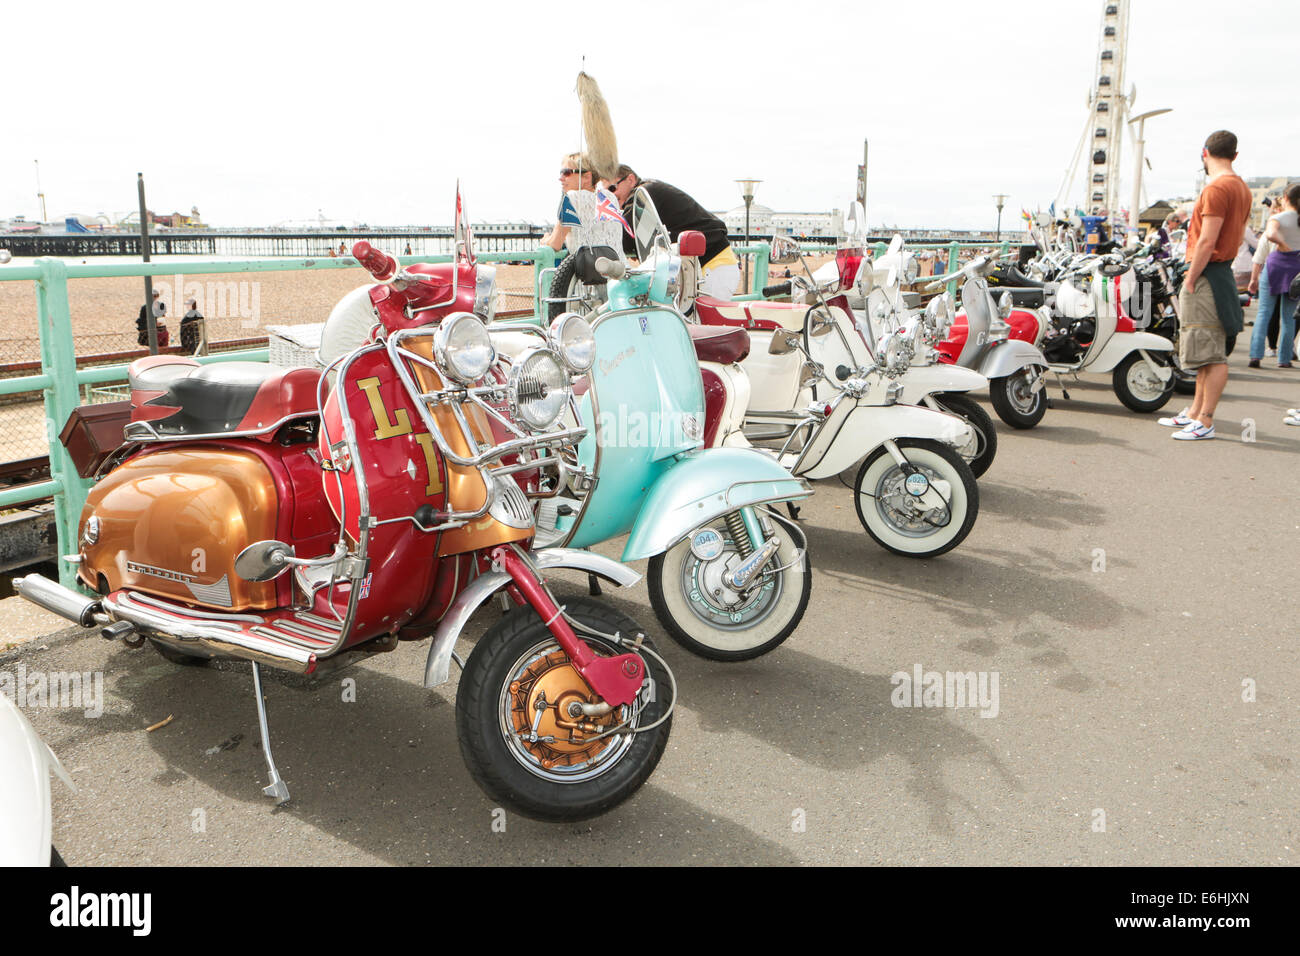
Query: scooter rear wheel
704,616
567,284
894,522
570,776
1137,386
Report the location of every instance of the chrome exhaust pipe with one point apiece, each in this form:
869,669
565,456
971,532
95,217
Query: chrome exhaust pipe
122,617
55,597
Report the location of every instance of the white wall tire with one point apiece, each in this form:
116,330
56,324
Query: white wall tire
883,508
709,626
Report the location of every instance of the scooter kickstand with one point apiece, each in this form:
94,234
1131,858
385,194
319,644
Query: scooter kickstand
277,789
593,585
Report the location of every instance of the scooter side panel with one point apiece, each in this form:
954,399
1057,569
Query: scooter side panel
645,391
172,522
1121,344
922,380
702,486
869,426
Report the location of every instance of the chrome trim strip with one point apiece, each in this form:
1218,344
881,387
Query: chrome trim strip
150,434
177,609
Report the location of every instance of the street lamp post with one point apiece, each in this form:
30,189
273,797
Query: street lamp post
1000,199
747,187
1137,172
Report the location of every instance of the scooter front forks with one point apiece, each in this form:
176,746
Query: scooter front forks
747,534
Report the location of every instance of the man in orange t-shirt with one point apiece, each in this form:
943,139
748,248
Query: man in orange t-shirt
1208,308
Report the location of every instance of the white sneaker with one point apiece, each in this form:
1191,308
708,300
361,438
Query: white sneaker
1293,412
1181,420
1291,419
1269,353
1195,432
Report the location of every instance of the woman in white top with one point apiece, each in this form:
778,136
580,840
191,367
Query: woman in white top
1273,279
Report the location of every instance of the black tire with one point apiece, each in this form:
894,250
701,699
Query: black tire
1137,388
178,657
504,766
966,408
877,493
566,284
772,608
1015,403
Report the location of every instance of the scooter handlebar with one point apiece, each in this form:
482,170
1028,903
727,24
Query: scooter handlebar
611,268
379,264
780,288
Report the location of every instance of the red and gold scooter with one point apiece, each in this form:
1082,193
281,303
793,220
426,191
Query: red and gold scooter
302,520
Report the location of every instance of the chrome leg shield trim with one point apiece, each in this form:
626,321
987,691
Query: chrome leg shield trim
438,667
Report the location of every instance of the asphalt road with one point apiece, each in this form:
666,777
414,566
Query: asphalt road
1127,590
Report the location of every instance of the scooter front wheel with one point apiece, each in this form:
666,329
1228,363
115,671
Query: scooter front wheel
1015,400
985,441
897,518
521,742
700,612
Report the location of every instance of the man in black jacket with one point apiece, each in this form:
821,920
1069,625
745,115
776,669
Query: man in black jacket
679,212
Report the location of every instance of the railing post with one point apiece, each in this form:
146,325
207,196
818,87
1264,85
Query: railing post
952,267
59,362
761,267
543,259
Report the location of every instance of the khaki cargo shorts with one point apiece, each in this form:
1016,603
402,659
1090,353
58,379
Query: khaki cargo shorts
1201,339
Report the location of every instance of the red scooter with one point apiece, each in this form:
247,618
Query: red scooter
268,515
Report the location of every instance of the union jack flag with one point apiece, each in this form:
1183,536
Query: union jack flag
607,210
365,585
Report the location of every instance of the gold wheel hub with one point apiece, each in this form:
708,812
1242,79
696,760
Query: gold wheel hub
555,676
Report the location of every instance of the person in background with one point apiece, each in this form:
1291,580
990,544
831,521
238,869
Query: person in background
575,177
1209,310
142,322
679,212
1273,278
1241,266
193,330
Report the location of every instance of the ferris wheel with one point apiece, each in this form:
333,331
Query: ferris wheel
1097,155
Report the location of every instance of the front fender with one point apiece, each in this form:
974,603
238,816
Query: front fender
702,485
438,667
1009,356
869,426
1121,344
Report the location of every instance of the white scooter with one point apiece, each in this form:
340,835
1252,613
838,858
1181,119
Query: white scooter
819,391
1081,326
25,766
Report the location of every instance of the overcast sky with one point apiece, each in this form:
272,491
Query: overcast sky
263,112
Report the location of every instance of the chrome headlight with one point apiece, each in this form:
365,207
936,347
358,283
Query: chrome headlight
573,340
539,388
485,292
911,269
463,347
